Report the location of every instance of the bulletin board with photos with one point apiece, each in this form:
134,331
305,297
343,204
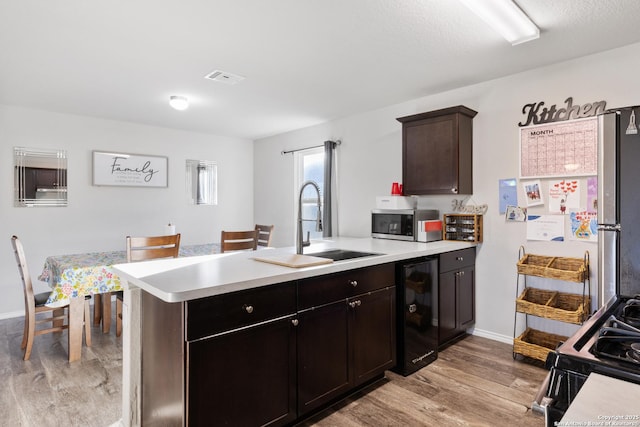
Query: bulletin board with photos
558,168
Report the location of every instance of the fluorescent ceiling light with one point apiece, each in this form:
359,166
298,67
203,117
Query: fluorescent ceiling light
179,102
506,18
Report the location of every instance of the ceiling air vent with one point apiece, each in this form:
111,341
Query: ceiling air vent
224,77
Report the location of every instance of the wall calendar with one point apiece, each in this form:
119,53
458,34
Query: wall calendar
567,148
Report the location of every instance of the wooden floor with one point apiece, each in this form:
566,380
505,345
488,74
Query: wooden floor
47,390
475,383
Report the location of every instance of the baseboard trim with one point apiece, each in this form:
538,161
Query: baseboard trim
492,336
11,315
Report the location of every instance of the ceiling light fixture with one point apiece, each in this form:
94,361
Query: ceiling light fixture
179,102
505,17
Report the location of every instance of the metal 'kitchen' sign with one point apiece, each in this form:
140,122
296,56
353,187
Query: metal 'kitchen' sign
537,114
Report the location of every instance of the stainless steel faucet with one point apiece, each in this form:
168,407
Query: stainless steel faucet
299,242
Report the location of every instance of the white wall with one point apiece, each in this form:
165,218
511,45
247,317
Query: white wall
370,160
98,218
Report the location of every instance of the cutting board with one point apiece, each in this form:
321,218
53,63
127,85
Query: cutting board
294,260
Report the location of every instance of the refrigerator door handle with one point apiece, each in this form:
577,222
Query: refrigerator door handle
607,265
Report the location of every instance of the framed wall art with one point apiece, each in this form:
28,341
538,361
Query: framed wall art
533,191
129,170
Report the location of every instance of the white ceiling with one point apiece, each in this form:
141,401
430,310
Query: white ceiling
305,61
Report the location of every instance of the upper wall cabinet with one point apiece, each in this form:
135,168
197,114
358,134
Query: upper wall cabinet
437,152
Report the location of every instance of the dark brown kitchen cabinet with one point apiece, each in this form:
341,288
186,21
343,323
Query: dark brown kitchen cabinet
437,152
323,355
43,178
245,377
346,333
50,178
266,356
373,329
241,353
456,295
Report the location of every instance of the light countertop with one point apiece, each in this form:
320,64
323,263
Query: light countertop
604,401
184,279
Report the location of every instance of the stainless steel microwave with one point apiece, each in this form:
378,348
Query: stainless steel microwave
399,224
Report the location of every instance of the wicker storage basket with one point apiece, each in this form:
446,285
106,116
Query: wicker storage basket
565,307
536,344
561,268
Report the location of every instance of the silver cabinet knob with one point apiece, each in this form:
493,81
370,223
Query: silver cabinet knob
294,322
459,258
248,308
353,283
352,304
454,190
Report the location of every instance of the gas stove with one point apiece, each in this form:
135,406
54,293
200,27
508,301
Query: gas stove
619,337
608,343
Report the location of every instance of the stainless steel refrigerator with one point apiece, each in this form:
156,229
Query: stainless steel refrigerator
618,204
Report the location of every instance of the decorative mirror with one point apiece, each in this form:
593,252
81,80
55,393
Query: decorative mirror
40,177
202,182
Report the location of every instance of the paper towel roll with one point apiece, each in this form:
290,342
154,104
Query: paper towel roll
169,229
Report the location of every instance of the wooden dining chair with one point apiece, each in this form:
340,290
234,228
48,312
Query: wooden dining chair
146,248
143,249
265,232
238,240
34,304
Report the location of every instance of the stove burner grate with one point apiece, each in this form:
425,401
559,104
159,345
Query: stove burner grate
618,340
634,352
631,312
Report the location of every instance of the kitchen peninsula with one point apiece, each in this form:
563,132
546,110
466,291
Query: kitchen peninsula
200,331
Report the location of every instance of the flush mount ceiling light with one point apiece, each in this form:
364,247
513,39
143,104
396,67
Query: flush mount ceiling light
505,17
179,102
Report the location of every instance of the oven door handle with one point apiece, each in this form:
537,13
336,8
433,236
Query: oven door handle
540,402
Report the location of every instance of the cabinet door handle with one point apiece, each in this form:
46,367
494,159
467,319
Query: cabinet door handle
353,283
356,303
248,308
294,322
459,258
454,190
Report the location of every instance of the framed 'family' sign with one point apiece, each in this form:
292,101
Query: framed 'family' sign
133,170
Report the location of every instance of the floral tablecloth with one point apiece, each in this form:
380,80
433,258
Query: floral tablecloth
71,276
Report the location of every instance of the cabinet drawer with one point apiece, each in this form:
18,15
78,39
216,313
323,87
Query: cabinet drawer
212,315
333,287
457,259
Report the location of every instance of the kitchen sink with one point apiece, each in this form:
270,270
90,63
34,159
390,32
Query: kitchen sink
341,254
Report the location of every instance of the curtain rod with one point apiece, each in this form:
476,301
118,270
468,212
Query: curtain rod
283,152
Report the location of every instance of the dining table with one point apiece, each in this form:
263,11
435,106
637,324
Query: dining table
73,277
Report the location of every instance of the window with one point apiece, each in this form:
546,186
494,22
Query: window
309,167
